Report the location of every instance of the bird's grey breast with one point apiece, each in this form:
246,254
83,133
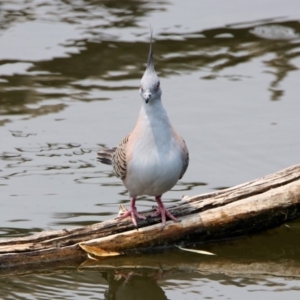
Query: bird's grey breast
154,166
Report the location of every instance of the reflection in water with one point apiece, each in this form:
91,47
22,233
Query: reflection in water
132,286
102,63
59,55
107,13
143,284
253,265
13,232
99,61
275,32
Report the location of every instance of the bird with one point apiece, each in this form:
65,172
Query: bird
153,157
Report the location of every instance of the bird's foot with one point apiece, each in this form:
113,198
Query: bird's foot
133,214
161,210
127,275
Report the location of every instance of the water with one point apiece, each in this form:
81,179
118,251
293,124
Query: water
69,78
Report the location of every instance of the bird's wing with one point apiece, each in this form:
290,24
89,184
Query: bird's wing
184,152
185,158
104,156
119,158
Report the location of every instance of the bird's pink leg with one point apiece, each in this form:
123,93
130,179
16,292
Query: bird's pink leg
161,210
132,212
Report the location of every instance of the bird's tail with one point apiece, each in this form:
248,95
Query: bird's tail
104,156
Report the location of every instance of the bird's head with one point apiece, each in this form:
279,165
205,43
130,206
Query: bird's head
150,85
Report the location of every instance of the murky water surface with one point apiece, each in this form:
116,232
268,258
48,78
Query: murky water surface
69,78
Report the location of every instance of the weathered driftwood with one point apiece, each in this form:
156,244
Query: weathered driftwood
251,207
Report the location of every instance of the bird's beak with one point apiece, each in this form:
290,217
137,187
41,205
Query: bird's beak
147,96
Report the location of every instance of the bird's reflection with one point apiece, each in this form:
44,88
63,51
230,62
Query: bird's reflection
133,285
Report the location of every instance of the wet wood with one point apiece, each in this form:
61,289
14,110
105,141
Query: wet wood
251,207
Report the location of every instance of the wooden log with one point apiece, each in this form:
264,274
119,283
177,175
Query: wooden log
251,207
234,219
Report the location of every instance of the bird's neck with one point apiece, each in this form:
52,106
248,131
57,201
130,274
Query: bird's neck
154,111
153,120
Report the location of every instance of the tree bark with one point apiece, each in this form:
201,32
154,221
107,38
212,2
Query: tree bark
247,208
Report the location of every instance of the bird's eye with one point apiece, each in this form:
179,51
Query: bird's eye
157,85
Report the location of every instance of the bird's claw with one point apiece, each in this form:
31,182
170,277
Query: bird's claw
164,213
133,214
